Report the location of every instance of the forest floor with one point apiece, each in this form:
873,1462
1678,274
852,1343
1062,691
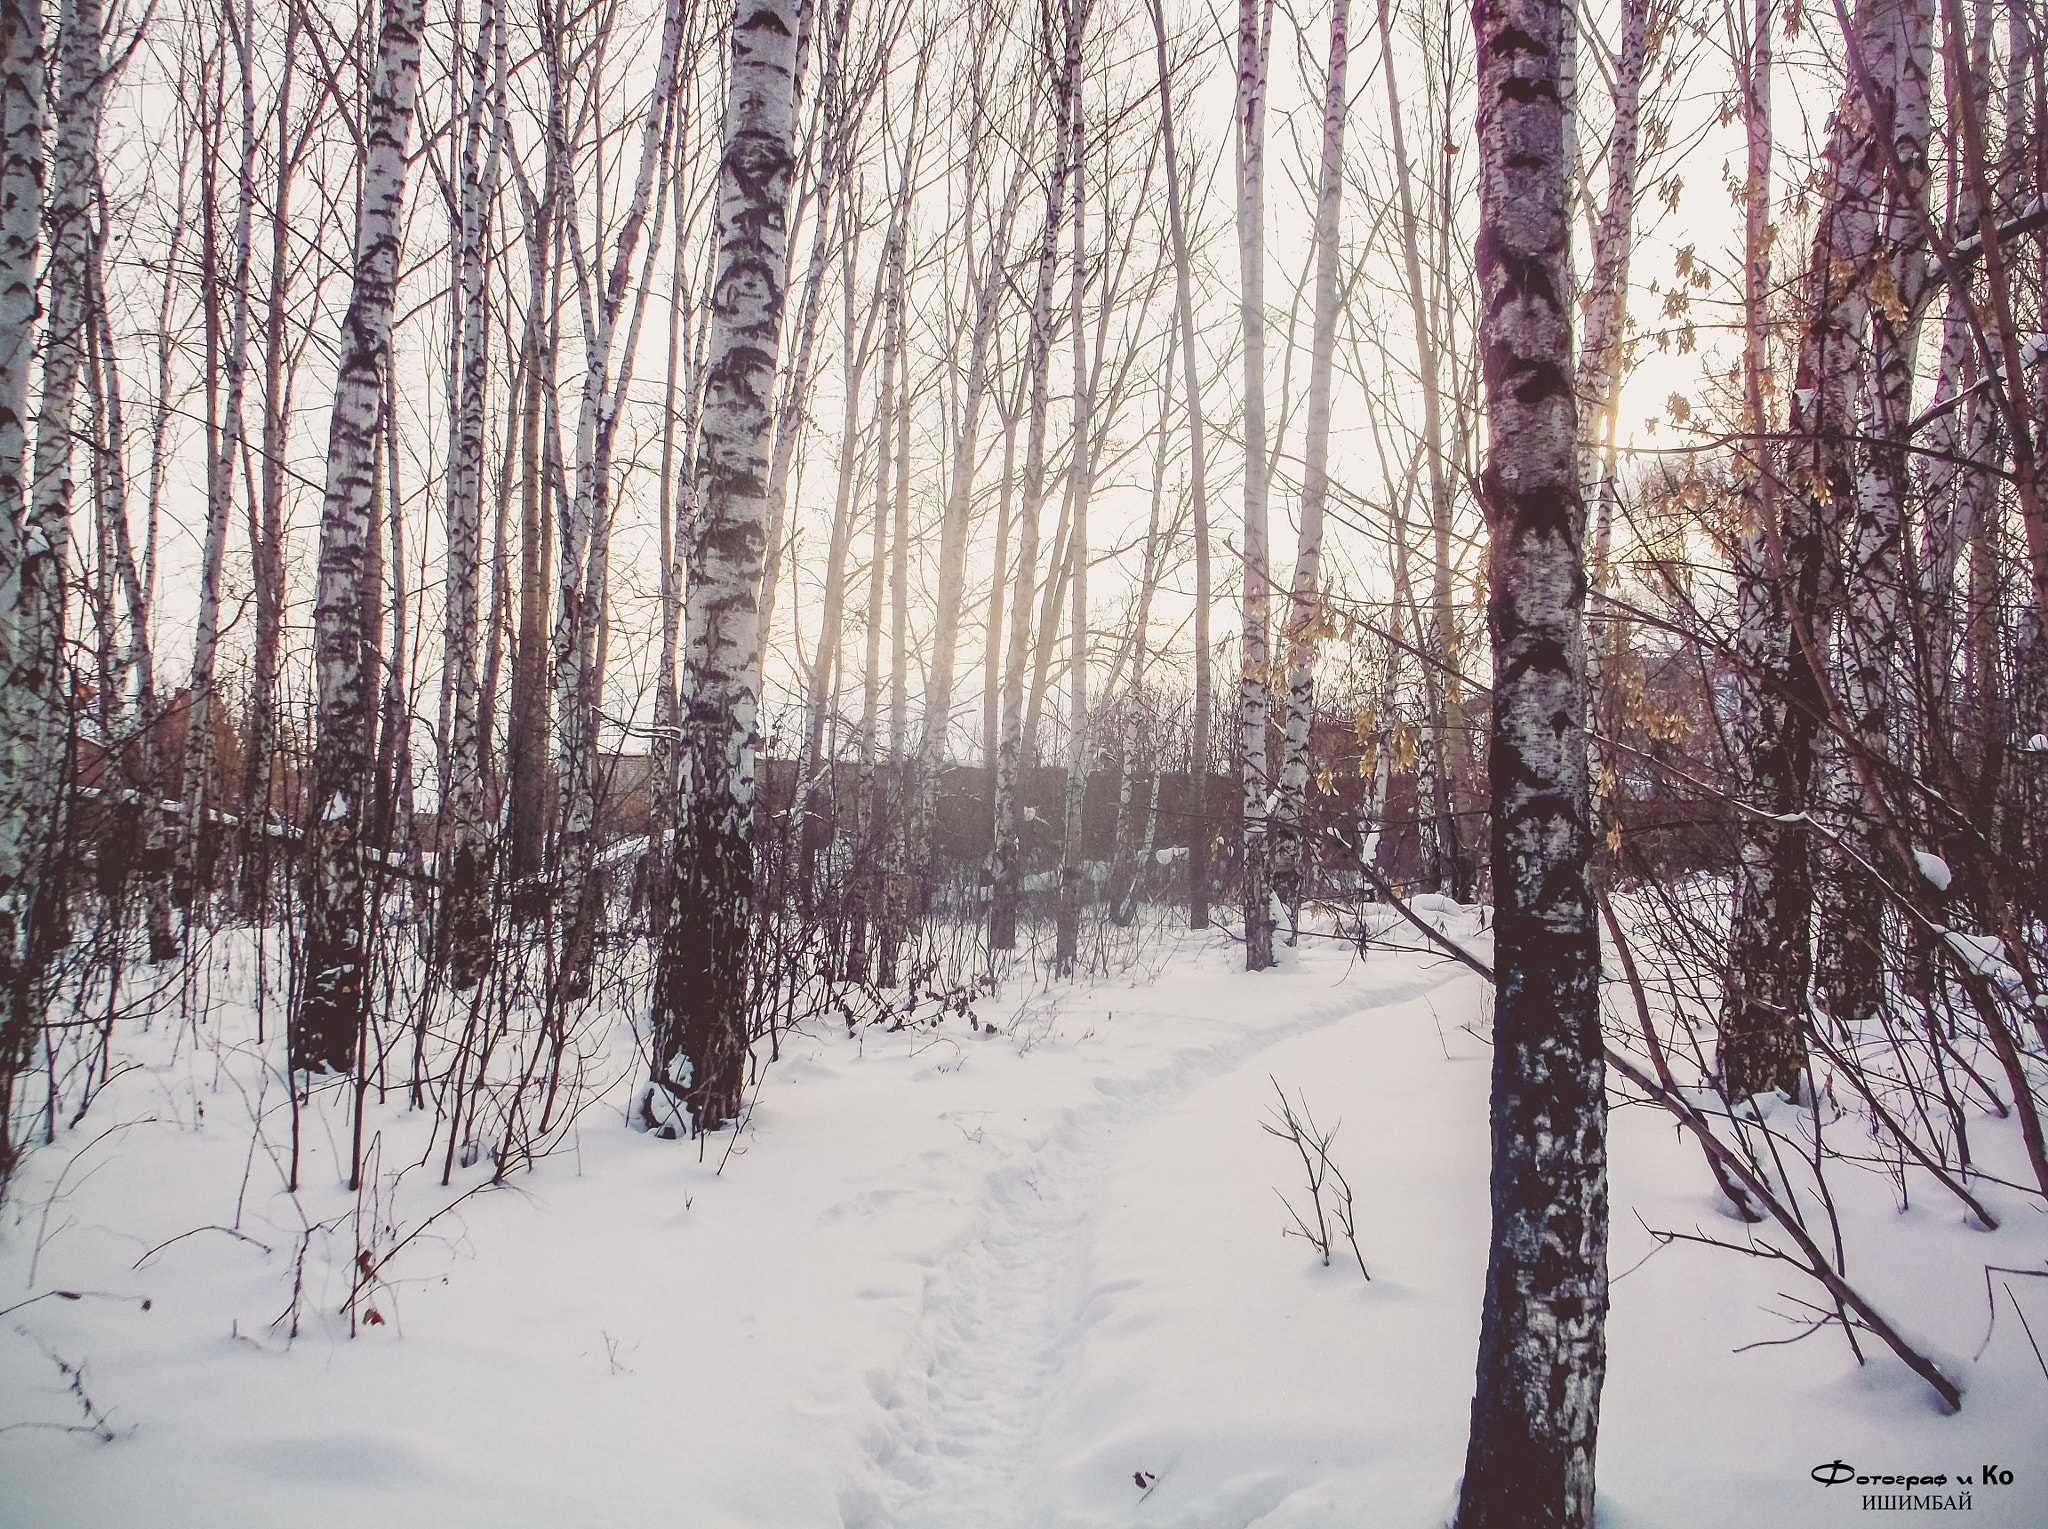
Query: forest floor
1028,1272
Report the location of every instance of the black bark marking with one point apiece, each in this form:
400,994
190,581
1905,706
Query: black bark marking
1515,40
1529,92
1538,380
1544,655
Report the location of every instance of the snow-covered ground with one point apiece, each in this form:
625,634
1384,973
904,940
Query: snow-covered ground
964,1278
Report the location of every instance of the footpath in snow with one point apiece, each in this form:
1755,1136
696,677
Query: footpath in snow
1027,1275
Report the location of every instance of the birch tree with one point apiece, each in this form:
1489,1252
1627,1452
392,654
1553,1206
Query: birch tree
700,994
1199,835
1300,639
1786,575
1542,1345
1254,691
1066,939
323,1032
467,910
31,603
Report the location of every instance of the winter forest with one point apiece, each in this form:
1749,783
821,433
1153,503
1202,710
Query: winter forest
868,763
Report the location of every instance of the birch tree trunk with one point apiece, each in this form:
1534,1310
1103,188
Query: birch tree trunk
1432,808
1300,640
1254,694
1851,949
584,575
31,570
1784,579
1200,834
1605,305
834,125
1542,1345
466,907
324,1029
701,1003
1067,935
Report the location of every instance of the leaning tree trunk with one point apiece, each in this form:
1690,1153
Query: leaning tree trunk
700,990
1542,1341
1300,641
323,1031
1254,690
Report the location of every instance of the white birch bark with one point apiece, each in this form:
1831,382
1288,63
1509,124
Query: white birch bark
1300,642
1200,835
466,912
32,530
1542,1344
1605,306
586,518
1851,949
1432,801
27,643
323,1031
1066,941
701,1003
1254,30
1785,580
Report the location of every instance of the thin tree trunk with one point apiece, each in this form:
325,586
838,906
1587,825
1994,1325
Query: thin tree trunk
1125,869
1254,31
1542,1344
266,538
197,788
1605,305
586,523
813,771
529,719
466,907
1009,761
1067,936
1200,834
987,289
1300,639
1433,802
